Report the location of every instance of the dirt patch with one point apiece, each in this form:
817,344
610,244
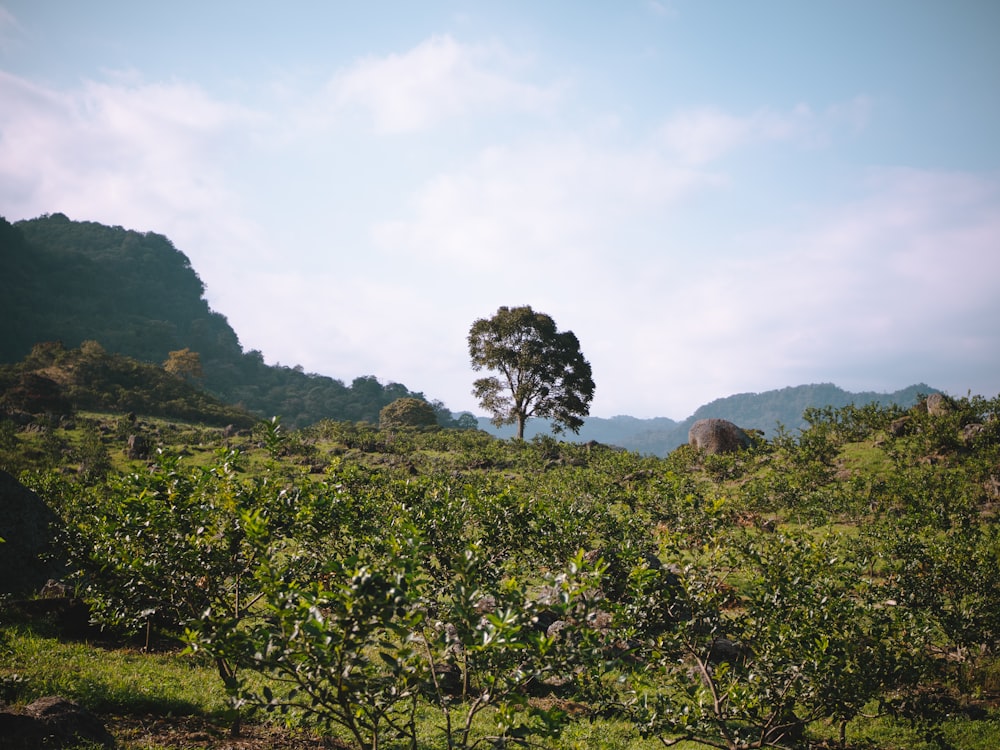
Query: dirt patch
193,733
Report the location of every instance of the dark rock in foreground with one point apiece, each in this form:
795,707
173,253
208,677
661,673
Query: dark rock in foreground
26,526
51,722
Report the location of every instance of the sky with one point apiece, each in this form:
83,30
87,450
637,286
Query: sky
715,196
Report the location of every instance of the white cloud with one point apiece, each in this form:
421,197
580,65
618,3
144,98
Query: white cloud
672,311
437,80
900,286
661,9
699,136
538,205
147,156
103,146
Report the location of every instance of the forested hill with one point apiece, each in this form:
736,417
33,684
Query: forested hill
766,411
135,294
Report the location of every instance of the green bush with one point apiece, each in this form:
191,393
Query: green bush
407,412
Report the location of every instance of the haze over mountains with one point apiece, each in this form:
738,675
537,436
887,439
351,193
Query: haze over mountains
767,412
135,294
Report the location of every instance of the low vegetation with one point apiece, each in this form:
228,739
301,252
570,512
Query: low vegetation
422,587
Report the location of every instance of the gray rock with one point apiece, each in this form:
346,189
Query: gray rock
900,427
718,436
54,589
971,431
938,405
137,448
726,651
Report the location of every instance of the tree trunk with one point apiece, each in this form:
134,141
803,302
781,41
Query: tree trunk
228,674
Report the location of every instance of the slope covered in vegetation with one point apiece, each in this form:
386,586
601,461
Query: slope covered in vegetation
136,294
837,587
58,382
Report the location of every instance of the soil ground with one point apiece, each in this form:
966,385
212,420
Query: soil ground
195,733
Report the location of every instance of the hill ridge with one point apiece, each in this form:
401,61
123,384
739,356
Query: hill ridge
765,411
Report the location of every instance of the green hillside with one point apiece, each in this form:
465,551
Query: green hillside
136,294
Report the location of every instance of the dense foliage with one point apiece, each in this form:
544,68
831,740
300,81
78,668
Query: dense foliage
440,588
407,412
541,371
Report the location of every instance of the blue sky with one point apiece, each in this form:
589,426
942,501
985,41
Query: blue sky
716,197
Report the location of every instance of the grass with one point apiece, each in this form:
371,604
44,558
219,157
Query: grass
957,734
183,691
108,680
866,459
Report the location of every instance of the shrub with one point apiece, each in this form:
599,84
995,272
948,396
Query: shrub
407,412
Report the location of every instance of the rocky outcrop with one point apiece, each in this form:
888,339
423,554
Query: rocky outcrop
901,427
717,436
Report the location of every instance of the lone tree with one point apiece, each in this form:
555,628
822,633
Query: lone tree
542,372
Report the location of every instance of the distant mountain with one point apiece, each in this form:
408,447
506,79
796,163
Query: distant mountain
137,295
766,411
762,411
623,431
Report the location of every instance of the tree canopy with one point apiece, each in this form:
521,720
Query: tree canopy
407,412
184,363
541,370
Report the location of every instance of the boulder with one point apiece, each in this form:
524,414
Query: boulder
51,722
971,431
938,405
26,526
137,447
717,436
726,651
54,589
